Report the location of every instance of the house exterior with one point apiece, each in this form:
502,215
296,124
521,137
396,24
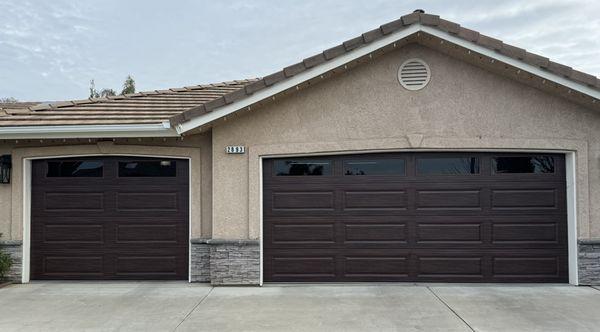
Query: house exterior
418,151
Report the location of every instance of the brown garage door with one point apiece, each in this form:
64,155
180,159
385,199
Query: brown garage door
468,217
109,218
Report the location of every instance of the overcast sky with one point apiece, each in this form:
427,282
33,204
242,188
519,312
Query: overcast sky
50,50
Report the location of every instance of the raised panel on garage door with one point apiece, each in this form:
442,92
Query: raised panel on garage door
440,217
109,218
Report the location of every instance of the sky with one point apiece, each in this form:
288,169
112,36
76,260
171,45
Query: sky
50,50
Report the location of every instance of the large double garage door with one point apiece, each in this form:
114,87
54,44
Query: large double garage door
451,217
109,218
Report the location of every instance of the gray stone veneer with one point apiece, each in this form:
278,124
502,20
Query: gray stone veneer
225,262
15,249
589,262
199,260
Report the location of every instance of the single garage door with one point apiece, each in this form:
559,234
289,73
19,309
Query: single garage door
109,218
443,217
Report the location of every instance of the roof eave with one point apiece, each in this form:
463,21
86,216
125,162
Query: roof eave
295,80
314,72
88,131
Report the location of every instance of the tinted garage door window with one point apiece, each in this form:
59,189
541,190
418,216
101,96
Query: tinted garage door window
416,217
109,218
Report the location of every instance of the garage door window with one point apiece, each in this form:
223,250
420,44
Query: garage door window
374,167
524,165
447,166
302,167
74,169
158,168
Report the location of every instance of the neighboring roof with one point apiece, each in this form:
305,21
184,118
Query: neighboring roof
173,112
417,25
7,107
137,108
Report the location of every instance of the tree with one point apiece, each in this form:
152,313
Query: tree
107,93
93,92
8,100
128,85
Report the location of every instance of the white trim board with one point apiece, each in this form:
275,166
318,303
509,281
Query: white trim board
366,50
89,131
27,175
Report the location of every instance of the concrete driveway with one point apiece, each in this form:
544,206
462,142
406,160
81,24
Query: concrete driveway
169,306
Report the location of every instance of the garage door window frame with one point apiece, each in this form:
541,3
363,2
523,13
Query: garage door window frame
571,190
27,185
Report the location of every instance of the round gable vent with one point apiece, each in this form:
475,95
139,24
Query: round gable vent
414,74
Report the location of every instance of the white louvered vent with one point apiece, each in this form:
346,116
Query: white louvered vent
414,74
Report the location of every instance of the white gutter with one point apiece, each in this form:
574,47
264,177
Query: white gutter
363,51
89,131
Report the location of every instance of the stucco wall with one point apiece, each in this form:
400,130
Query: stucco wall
196,147
365,109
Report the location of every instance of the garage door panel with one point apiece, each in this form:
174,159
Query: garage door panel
146,266
302,266
434,266
375,233
449,233
58,263
410,225
303,201
531,233
147,201
440,200
527,267
114,227
73,201
376,200
375,266
323,233
147,234
80,234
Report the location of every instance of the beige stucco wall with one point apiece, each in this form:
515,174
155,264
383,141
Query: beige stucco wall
365,109
197,148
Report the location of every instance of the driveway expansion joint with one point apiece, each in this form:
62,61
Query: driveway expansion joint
194,308
450,308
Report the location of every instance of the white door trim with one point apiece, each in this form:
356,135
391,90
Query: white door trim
27,177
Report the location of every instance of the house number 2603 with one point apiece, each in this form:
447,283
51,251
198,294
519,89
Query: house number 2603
235,149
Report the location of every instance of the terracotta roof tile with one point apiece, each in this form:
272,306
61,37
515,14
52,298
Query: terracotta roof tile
428,19
425,19
489,42
180,104
468,34
372,35
294,69
513,52
274,78
314,60
353,43
410,18
334,52
391,26
141,107
449,26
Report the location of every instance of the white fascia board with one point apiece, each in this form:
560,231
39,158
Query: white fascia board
297,79
88,131
360,52
513,62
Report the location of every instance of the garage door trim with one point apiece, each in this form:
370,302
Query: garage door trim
571,191
27,181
